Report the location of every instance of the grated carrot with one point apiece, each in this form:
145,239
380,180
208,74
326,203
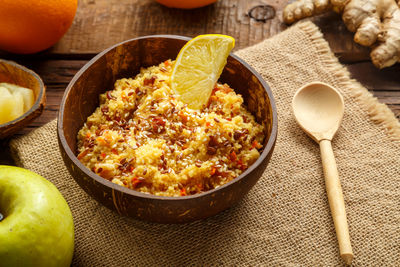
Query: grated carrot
183,192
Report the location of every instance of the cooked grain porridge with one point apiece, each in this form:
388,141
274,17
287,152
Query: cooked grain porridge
144,138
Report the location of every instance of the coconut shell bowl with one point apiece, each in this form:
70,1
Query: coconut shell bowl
125,60
11,72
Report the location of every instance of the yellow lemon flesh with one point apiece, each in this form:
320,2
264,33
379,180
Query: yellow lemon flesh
198,67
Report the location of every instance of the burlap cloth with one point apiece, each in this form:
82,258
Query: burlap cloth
285,219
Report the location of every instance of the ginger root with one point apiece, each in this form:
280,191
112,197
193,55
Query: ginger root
376,23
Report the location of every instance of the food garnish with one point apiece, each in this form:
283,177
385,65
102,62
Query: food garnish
198,67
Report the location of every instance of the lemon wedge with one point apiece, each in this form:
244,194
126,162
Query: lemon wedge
198,67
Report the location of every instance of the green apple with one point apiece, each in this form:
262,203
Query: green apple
36,226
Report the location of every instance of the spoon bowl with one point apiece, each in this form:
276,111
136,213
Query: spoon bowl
318,109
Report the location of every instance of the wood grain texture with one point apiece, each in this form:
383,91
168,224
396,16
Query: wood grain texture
118,20
99,24
373,79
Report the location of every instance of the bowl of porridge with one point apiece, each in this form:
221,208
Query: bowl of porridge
131,143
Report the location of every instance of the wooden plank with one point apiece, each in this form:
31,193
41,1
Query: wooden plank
340,39
390,98
386,79
5,155
118,20
383,84
396,110
100,24
54,71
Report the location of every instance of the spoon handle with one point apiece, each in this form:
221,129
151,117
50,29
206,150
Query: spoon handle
336,201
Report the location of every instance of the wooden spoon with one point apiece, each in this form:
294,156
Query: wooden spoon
318,109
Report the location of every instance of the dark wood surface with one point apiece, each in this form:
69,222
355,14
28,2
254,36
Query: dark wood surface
101,23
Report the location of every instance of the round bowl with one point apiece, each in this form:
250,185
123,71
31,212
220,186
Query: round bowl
11,72
124,60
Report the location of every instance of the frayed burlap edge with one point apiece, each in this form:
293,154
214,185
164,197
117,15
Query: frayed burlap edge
14,146
379,113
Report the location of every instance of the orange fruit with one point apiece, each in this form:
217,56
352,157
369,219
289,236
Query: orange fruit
30,26
186,4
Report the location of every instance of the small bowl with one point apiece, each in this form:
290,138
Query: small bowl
124,60
11,72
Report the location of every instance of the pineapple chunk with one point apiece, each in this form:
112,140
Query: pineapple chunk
19,104
27,94
7,104
14,101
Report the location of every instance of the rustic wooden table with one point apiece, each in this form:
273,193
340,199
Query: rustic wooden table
101,23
